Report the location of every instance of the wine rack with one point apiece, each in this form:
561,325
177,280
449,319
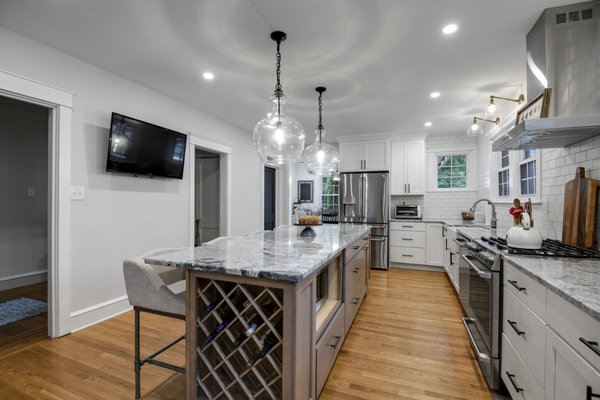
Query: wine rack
239,340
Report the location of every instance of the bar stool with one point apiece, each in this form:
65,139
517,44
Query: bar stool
158,290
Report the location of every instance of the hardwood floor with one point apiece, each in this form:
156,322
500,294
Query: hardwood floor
407,342
29,326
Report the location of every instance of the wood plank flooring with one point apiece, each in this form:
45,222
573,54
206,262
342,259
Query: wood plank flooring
29,326
407,342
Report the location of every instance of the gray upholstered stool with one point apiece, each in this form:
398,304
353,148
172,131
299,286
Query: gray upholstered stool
158,290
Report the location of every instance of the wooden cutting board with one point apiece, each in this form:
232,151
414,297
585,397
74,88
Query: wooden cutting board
579,218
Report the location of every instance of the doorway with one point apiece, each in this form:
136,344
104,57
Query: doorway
207,178
269,196
24,219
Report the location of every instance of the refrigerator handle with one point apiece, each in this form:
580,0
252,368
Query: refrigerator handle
361,191
385,199
365,191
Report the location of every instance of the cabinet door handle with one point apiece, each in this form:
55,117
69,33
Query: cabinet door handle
451,260
365,164
513,324
589,394
355,301
337,341
443,232
355,247
409,188
510,377
519,288
405,188
355,270
446,243
591,345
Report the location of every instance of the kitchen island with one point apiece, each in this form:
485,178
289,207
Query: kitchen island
267,313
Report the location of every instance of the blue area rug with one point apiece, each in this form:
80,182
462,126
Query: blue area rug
18,309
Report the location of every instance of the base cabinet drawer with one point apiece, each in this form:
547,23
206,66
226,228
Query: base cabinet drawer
328,347
355,272
527,334
407,226
354,249
519,381
407,255
568,376
353,302
530,292
407,238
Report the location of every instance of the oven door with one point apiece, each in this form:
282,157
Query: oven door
480,298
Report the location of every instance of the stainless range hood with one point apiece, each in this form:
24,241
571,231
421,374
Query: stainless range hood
563,53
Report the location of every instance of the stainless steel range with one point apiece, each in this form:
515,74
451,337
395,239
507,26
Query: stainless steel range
480,292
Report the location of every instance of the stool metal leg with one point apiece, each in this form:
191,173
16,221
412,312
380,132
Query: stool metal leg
137,362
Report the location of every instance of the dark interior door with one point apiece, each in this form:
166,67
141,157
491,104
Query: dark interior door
269,198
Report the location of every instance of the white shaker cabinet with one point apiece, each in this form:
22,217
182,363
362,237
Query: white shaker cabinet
435,245
408,166
367,155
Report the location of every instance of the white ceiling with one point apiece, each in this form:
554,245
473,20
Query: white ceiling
379,59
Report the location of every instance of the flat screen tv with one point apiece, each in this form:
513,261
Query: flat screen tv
141,148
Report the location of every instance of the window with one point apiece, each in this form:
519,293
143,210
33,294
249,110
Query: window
528,173
452,171
504,175
516,174
330,195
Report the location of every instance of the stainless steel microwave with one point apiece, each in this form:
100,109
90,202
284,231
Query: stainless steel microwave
408,212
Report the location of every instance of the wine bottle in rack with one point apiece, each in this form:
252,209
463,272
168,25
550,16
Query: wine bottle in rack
268,342
269,308
240,303
227,287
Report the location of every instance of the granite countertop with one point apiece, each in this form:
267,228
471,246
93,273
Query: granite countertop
574,279
280,254
449,222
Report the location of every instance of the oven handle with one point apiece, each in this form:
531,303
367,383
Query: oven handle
484,275
480,355
460,242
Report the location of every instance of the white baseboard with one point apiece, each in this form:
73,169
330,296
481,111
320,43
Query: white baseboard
99,312
28,278
418,267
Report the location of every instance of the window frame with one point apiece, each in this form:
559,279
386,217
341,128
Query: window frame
471,156
333,195
516,159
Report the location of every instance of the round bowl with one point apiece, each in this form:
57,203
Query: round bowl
467,216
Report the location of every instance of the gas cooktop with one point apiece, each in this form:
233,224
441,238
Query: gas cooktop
550,248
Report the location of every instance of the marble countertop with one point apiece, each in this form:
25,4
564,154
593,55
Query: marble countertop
280,254
449,222
574,279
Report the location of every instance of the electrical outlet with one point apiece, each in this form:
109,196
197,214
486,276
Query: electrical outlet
77,193
31,192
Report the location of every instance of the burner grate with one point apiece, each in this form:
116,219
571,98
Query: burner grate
550,248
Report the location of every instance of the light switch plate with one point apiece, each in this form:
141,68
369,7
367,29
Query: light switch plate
77,193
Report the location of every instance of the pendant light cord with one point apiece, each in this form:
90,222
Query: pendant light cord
278,88
320,126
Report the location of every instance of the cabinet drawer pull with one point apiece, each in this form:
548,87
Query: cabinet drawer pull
337,341
591,345
407,255
451,258
355,301
408,226
589,394
510,377
513,324
407,239
519,288
355,247
355,270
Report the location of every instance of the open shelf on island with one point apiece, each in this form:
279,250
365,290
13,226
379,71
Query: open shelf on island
328,296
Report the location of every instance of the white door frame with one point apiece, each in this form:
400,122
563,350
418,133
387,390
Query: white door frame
283,195
60,104
196,142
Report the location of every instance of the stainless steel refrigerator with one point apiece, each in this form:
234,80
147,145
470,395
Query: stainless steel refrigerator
364,199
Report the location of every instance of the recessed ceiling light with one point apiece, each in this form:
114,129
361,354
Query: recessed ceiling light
427,124
434,95
209,76
450,29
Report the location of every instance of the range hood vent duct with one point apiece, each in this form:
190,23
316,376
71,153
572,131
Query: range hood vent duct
563,53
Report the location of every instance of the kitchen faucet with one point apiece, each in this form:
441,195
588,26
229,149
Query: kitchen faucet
494,222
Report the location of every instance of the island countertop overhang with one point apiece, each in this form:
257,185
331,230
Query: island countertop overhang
280,254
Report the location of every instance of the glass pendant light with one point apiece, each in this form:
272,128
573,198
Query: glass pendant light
476,129
279,138
320,158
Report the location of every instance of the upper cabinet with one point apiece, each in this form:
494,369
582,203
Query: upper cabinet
408,167
367,155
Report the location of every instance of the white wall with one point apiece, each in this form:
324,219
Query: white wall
123,216
23,218
303,175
